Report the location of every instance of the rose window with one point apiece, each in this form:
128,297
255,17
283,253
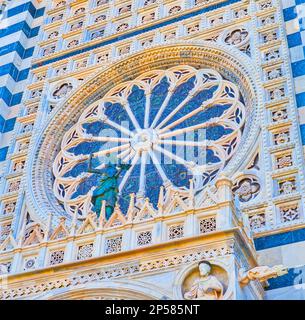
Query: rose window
170,126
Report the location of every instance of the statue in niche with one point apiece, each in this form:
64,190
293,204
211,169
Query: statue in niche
207,287
107,188
261,273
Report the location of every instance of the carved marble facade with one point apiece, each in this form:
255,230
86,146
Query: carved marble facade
223,69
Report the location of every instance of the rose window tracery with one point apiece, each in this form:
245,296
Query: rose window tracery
170,125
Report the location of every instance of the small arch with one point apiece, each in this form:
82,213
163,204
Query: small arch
106,290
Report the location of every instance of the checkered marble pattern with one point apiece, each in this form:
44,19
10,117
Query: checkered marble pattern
294,17
19,26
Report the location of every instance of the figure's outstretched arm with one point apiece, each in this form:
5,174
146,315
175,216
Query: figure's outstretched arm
118,172
121,168
92,170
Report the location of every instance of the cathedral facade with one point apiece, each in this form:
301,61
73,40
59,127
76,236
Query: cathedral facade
152,149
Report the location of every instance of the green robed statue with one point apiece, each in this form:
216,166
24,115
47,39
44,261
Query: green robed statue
107,188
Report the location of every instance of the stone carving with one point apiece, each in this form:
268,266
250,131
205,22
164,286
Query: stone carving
14,186
23,146
9,208
257,221
192,29
216,21
81,64
36,93
287,187
176,232
270,36
97,34
207,225
281,137
124,9
122,27
174,9
62,90
148,2
102,57
261,273
265,5
169,36
277,93
149,17
124,50
241,13
119,270
99,18
272,54
290,213
85,251
79,11
268,20
279,115
30,263
77,25
207,287
73,43
3,269
247,189
146,43
56,257
5,230
48,50
53,35
60,4
27,127
274,73
18,166
284,161
236,37
57,17
144,238
113,245
101,2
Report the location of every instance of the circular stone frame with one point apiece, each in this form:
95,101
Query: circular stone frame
228,61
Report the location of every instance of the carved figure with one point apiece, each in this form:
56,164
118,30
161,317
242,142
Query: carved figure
261,273
207,287
107,188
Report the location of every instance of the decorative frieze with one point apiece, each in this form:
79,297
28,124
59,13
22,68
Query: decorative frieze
121,270
231,62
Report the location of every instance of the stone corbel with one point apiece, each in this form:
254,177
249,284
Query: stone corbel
261,273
